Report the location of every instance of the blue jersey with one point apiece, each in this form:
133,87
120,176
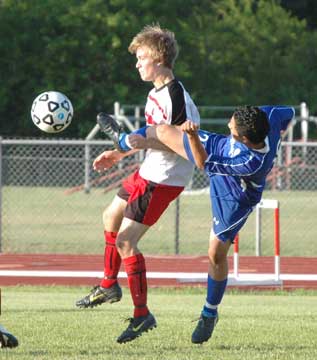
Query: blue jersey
237,172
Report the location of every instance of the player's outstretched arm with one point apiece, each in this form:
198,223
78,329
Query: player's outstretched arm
197,149
109,158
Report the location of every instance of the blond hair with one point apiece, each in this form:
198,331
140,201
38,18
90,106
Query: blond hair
161,42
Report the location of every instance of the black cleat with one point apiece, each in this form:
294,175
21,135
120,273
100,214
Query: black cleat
110,127
204,329
136,327
6,339
99,295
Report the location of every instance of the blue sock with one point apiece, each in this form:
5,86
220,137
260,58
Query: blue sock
215,292
123,141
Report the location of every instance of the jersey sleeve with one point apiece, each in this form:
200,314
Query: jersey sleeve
178,103
244,164
279,114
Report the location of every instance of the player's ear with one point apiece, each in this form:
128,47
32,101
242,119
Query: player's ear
159,61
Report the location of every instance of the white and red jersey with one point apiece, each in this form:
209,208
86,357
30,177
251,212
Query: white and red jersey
170,104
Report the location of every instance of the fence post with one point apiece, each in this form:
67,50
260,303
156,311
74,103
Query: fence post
304,114
137,116
137,125
90,136
87,174
116,109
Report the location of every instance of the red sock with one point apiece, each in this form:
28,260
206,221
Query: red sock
112,260
136,272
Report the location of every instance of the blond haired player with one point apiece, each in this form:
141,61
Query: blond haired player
144,196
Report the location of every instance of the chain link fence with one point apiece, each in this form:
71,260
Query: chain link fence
51,201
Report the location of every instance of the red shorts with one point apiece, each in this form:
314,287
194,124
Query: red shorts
146,200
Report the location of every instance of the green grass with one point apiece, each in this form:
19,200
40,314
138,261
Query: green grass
46,220
263,325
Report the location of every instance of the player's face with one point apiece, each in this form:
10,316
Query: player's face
147,67
233,130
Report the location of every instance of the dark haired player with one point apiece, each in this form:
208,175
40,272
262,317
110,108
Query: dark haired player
237,166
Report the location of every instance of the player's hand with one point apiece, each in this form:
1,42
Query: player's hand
137,141
189,127
106,159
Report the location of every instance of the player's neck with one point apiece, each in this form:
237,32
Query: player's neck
257,146
251,145
164,78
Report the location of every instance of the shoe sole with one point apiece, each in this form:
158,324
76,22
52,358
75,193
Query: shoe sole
104,128
200,342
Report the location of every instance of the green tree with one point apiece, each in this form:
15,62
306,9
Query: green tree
231,52
77,47
248,52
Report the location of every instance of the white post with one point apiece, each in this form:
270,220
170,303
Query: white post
116,109
117,114
288,155
304,114
137,115
277,268
274,204
90,136
277,241
137,124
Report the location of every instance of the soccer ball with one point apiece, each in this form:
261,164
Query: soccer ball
52,111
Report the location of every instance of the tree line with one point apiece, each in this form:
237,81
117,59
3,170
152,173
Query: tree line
232,52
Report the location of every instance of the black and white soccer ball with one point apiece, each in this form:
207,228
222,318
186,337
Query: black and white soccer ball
52,111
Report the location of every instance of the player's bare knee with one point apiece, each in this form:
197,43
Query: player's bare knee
215,258
120,244
124,247
218,250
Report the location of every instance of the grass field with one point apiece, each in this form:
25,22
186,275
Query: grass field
261,325
46,220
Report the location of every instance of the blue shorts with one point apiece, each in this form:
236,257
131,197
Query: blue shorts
229,214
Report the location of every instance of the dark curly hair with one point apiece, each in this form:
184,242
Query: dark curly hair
252,123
